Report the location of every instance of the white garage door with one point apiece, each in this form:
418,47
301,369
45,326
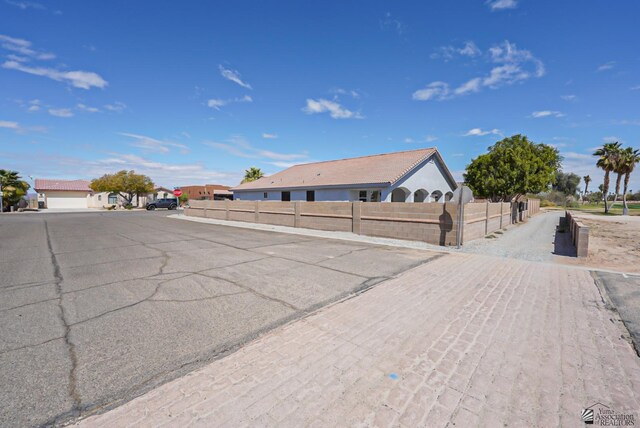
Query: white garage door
67,200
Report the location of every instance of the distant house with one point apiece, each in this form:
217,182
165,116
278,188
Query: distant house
63,193
207,191
409,176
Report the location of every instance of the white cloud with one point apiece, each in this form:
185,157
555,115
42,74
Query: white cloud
24,5
216,103
351,92
606,66
269,136
447,53
61,112
434,90
478,132
86,108
502,4
392,23
9,125
233,76
78,79
568,97
115,107
150,144
472,85
238,146
511,65
635,88
23,47
409,140
430,138
546,113
334,109
16,127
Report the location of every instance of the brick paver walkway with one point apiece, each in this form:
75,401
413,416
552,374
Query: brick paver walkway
465,340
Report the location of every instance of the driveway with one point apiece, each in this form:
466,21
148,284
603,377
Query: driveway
98,308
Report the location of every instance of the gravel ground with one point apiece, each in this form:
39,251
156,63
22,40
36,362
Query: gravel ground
534,240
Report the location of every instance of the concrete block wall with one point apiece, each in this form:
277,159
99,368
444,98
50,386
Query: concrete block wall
534,206
579,234
434,223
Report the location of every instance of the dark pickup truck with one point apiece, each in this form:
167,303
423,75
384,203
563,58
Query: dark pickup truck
169,203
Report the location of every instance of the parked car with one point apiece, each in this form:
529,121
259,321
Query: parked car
169,203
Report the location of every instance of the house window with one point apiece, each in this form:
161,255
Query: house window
362,196
286,196
113,198
265,195
375,196
99,197
311,195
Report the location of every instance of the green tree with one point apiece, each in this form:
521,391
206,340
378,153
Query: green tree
184,198
514,166
607,161
126,183
628,160
566,183
252,174
13,189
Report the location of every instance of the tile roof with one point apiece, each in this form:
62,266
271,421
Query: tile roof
70,185
384,169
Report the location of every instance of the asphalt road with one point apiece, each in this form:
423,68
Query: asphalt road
97,308
624,293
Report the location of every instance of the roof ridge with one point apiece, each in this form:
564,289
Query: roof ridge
365,156
418,162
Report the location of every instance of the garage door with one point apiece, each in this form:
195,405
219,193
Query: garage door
67,201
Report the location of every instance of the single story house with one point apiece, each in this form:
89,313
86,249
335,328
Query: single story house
63,193
409,176
74,194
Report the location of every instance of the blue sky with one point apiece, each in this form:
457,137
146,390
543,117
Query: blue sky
196,92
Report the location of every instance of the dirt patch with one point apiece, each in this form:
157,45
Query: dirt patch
614,243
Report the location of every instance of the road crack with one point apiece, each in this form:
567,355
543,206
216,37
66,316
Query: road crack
72,387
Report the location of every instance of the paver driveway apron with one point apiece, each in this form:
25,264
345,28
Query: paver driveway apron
466,340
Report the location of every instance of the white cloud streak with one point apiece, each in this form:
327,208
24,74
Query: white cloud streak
77,79
478,132
335,110
238,146
61,112
546,113
233,76
606,66
23,47
510,65
502,4
217,103
153,145
269,136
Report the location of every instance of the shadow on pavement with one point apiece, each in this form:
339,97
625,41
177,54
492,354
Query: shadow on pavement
562,245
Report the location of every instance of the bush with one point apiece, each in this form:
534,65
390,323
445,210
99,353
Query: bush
128,206
546,203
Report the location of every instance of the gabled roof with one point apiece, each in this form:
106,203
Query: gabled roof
69,185
375,170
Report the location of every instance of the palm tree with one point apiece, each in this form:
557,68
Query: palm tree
587,180
13,189
252,174
607,161
629,159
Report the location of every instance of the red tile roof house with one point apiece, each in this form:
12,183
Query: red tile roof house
65,194
76,194
409,176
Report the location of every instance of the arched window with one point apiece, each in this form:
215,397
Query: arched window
400,194
113,198
448,196
436,196
421,195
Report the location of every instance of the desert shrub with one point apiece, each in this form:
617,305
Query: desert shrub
546,203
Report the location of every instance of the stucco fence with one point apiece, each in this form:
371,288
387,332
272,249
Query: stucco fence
434,223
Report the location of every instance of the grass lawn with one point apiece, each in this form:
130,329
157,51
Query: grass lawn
634,208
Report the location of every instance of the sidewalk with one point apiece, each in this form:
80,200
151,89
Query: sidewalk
465,340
